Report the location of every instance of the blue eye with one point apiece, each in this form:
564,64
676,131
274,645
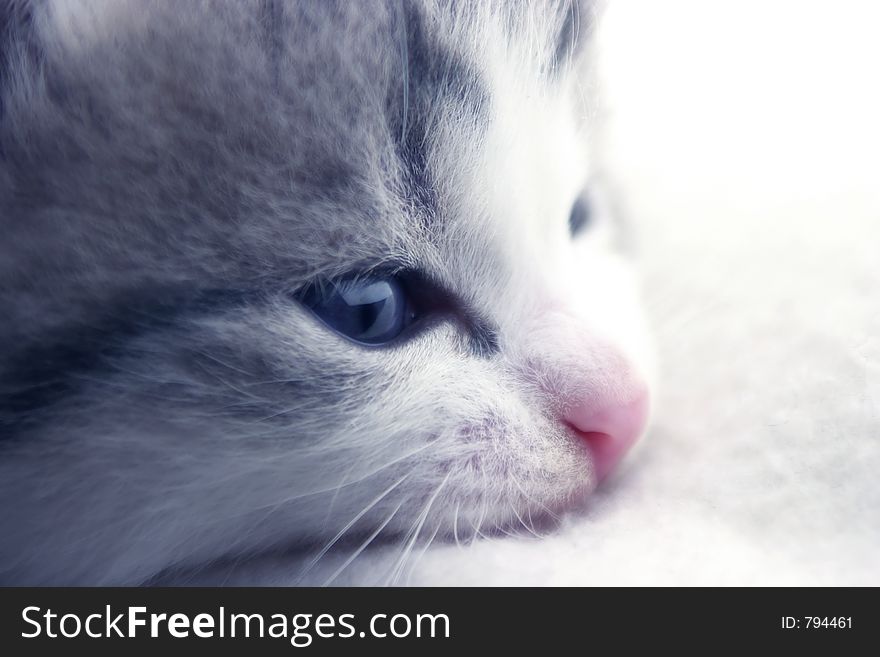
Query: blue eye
369,311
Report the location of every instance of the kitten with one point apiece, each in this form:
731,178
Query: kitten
280,273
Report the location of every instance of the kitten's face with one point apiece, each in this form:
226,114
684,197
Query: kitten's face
283,274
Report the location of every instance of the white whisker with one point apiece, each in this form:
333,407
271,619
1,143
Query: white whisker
336,492
349,525
346,484
518,517
398,567
531,501
455,523
422,553
363,546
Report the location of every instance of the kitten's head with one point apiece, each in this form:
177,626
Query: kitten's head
275,272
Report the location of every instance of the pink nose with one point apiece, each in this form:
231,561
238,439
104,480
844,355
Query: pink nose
609,430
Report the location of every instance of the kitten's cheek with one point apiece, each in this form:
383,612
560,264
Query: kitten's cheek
609,431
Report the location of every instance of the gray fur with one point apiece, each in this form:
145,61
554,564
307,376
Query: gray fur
171,174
